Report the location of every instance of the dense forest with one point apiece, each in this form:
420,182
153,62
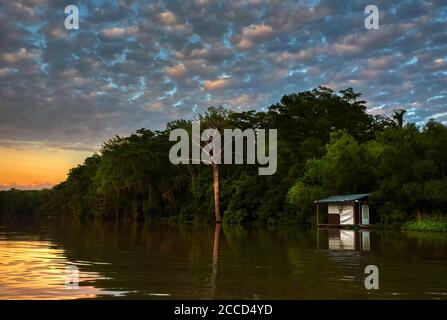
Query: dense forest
327,144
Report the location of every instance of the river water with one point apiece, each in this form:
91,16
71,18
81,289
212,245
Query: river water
161,261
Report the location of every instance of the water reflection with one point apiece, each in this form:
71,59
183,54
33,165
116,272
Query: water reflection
217,231
346,240
154,261
36,270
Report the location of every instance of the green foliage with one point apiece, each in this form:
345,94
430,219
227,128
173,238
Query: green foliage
428,224
30,202
301,197
342,170
327,144
402,168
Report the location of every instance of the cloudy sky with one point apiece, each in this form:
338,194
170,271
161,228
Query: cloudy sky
134,64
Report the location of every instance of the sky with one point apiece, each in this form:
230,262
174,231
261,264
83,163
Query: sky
134,64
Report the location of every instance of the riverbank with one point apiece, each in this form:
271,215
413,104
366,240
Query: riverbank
427,224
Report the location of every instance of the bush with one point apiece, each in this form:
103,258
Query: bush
427,224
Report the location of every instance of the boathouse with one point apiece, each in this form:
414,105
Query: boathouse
343,211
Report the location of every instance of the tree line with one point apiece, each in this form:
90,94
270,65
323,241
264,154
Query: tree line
327,144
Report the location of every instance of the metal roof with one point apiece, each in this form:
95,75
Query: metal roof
345,198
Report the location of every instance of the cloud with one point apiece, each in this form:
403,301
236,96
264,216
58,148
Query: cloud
116,32
176,71
244,44
31,186
23,10
6,71
259,31
168,18
343,49
302,55
217,84
156,106
199,53
382,62
440,63
22,54
253,34
133,65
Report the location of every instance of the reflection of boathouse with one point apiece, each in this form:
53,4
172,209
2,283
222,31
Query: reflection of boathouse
343,211
345,240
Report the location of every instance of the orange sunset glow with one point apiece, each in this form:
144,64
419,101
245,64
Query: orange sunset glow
43,276
37,168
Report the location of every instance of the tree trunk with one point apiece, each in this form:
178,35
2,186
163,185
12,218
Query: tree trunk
215,169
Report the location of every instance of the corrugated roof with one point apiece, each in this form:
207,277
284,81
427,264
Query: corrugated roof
344,198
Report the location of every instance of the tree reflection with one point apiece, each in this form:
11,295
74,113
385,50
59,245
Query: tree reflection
217,231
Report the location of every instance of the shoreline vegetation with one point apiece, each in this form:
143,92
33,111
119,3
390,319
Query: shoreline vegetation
327,145
427,224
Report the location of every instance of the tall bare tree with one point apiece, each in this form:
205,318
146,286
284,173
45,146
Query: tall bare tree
215,118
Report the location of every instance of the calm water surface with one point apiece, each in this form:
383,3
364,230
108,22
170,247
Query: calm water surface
160,261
